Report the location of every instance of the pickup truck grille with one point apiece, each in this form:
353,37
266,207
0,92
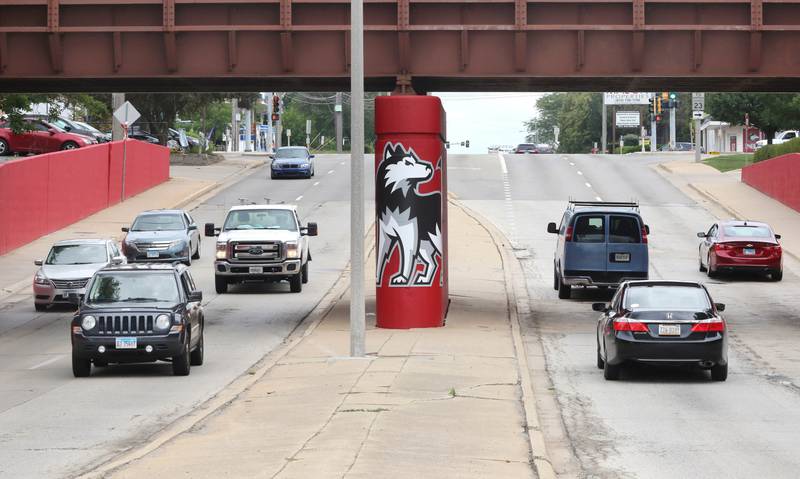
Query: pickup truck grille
70,283
125,324
256,251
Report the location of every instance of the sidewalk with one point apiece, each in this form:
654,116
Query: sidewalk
428,403
734,199
186,184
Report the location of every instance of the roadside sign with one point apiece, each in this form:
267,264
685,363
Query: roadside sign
698,105
556,132
626,98
126,114
308,127
698,115
628,119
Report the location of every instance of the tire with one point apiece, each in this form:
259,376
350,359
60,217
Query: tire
181,365
272,176
196,356
719,372
555,279
40,307
221,284
81,368
196,254
564,290
610,372
4,148
69,145
701,267
600,362
777,275
304,273
711,273
188,260
296,283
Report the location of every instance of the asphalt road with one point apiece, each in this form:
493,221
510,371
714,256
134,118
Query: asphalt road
654,422
53,425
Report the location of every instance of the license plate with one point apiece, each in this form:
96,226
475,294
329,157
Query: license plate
256,269
65,293
750,251
152,254
669,329
622,257
126,343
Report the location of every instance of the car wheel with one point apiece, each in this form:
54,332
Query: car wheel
4,148
304,273
81,368
69,145
196,356
188,260
611,372
555,279
719,372
296,283
272,175
221,284
702,268
600,362
711,273
40,306
777,275
564,290
181,365
196,254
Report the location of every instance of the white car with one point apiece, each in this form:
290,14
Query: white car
69,266
780,137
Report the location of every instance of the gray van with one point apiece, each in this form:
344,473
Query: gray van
599,244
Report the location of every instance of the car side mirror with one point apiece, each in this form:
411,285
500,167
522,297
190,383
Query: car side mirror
117,260
777,237
210,230
192,227
552,228
195,296
125,229
311,229
719,306
647,229
271,156
600,307
51,131
702,235
38,262
311,156
67,128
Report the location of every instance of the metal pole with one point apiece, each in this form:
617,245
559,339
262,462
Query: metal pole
613,127
338,117
234,125
124,159
697,146
357,301
117,99
603,137
653,136
672,128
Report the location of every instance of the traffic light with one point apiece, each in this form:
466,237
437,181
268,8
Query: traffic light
467,143
659,106
652,109
673,99
276,108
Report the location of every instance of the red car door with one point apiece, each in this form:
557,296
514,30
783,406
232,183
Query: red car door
46,139
18,142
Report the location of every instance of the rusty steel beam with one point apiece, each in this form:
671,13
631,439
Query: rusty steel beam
410,45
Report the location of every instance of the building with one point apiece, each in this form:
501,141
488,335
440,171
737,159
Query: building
722,137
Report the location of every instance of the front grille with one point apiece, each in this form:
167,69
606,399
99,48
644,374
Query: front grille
256,251
125,324
70,283
153,245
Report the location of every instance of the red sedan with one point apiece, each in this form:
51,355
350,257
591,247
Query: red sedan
41,137
741,246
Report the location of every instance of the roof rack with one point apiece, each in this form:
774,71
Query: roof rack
618,204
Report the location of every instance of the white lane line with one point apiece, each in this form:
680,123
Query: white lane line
580,173
330,172
46,362
571,164
342,163
588,185
299,198
316,184
503,166
598,198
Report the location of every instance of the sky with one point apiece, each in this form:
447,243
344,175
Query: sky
487,118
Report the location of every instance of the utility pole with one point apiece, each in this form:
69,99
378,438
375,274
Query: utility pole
672,127
357,299
653,136
278,127
117,132
337,114
604,134
697,146
235,125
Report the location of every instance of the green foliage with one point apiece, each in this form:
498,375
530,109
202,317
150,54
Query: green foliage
578,115
771,112
631,140
729,162
15,105
771,151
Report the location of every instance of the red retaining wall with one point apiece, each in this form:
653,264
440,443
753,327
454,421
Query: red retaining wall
778,178
42,194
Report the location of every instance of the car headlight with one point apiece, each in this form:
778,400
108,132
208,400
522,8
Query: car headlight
88,322
292,249
40,278
222,250
305,165
87,141
176,243
162,322
275,166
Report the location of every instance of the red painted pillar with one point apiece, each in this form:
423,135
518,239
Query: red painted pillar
411,212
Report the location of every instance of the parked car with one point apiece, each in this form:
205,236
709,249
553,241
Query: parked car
136,314
730,246
71,126
294,161
41,137
662,322
99,135
143,136
191,142
263,243
524,148
544,148
68,267
599,244
780,137
162,236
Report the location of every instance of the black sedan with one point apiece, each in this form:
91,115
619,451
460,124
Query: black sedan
662,322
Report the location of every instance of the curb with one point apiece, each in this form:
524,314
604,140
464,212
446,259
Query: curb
516,303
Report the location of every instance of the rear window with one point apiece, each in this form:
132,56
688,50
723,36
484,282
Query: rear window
673,297
748,231
589,229
624,229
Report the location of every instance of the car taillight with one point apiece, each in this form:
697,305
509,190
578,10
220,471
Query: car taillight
713,325
644,234
625,324
722,247
568,234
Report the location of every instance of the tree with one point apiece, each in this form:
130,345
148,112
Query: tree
770,112
578,115
15,105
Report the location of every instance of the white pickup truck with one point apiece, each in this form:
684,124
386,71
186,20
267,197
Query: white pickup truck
261,243
780,137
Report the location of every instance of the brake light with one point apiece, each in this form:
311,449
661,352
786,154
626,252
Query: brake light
625,324
568,234
713,325
644,234
722,247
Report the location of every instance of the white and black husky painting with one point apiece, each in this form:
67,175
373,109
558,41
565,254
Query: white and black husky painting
407,220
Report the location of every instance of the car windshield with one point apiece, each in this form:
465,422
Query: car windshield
77,254
261,220
129,286
158,222
674,297
60,123
748,231
291,153
87,127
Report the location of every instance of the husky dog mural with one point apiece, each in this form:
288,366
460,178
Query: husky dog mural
407,219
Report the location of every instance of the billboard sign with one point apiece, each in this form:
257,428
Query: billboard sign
627,98
628,119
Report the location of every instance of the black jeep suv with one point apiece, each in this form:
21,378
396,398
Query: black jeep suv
138,313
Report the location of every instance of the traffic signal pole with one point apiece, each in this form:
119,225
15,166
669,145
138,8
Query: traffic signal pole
653,125
672,127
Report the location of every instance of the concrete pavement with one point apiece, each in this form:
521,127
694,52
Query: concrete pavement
443,402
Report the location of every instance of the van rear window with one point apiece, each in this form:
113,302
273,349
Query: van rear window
624,229
590,229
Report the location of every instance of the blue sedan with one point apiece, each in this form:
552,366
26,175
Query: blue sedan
292,161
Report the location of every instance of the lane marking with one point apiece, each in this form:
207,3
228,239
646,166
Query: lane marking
503,166
588,185
330,172
299,198
580,173
342,163
45,363
315,184
571,164
598,198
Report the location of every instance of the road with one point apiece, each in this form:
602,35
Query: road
52,425
654,422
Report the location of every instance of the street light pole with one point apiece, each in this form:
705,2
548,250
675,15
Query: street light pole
357,301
